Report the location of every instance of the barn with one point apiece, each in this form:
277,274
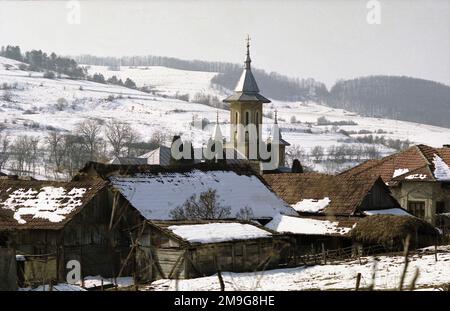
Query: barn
189,249
52,223
156,191
328,207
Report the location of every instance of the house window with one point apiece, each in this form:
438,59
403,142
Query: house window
247,118
417,208
440,207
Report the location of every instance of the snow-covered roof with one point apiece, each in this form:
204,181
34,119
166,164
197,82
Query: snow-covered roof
390,211
311,205
156,194
300,225
218,232
400,171
41,204
441,169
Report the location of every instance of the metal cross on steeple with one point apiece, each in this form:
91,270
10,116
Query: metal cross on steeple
248,60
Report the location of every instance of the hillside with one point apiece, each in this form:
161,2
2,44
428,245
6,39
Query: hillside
275,85
34,106
393,97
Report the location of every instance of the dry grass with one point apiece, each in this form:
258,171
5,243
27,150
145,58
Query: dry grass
391,231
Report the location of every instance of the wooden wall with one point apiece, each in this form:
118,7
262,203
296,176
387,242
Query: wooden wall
8,274
162,256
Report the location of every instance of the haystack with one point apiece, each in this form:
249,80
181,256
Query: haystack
391,231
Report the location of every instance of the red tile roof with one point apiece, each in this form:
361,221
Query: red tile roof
346,193
10,191
416,159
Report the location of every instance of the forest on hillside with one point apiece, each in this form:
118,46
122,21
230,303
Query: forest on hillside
394,97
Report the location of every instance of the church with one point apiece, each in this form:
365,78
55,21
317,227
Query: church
246,142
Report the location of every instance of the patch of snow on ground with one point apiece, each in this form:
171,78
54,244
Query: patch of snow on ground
399,172
388,270
218,232
311,205
441,169
51,203
389,211
96,281
299,225
60,287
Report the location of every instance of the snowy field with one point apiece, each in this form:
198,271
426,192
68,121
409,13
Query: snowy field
34,108
163,80
340,276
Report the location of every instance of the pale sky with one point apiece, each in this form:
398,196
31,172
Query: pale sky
325,40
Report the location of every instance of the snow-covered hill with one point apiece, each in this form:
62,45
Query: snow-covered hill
34,105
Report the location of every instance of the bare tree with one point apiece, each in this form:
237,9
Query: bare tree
75,153
207,206
120,135
245,213
56,149
4,149
24,152
89,130
295,152
317,153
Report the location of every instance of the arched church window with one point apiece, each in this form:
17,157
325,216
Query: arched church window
247,118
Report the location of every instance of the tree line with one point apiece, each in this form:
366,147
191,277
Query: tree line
62,154
394,97
38,60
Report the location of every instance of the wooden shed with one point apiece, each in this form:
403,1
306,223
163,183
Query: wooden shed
189,249
52,223
8,275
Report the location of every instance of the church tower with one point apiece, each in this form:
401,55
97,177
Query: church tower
246,109
276,141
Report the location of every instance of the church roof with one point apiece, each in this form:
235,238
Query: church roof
247,89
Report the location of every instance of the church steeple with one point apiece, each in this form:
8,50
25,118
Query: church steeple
277,139
217,133
246,112
247,89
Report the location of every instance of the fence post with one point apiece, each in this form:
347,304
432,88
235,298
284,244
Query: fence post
435,253
324,255
313,253
358,281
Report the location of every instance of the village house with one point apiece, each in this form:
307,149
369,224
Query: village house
157,191
333,196
338,211
51,223
189,249
418,177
